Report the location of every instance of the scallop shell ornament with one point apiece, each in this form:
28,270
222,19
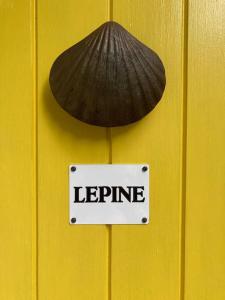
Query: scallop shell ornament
109,78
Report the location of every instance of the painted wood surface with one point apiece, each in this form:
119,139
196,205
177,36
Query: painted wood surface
147,259
17,132
205,222
180,254
72,260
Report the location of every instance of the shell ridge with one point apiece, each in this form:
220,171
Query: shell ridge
112,40
159,82
68,74
155,66
100,63
116,91
102,46
107,69
146,48
152,89
108,34
100,40
67,82
90,47
116,50
160,76
97,68
131,99
154,85
138,110
102,49
84,71
136,72
78,66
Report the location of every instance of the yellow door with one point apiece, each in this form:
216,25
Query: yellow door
180,255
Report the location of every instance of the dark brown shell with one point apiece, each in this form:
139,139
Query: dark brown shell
109,78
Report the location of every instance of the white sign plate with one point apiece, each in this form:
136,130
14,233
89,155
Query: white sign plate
109,194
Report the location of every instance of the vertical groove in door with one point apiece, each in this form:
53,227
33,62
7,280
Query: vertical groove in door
35,200
111,10
109,261
184,149
109,139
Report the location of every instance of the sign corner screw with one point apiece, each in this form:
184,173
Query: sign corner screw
144,169
73,220
73,169
144,220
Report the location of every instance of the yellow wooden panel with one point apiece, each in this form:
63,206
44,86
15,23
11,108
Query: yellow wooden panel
17,149
146,259
205,222
72,260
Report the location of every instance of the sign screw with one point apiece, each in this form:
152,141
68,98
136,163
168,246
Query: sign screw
73,220
144,220
144,169
73,169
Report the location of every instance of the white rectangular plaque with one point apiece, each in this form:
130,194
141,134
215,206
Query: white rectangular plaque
109,194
